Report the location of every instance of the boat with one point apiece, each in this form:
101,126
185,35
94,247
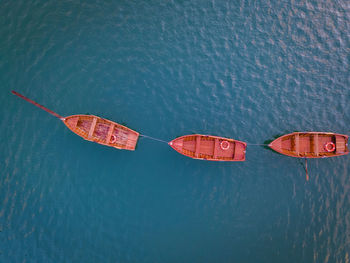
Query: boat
311,144
102,131
95,129
211,148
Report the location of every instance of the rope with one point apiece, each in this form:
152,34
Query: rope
258,144
152,138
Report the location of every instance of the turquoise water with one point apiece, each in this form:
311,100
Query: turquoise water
247,70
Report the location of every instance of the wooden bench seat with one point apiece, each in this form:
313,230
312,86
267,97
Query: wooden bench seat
316,149
198,144
92,127
216,145
296,144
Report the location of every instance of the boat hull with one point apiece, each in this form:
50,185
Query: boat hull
211,148
311,144
102,131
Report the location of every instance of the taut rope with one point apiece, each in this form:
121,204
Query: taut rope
152,138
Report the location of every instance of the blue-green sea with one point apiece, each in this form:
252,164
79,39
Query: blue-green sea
242,69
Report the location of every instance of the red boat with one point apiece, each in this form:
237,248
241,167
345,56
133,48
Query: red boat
311,144
96,129
102,131
211,148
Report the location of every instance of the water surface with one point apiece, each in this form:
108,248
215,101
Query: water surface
246,70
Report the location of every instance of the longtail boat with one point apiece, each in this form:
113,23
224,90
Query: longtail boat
311,144
211,148
95,129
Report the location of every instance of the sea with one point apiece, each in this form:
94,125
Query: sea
250,70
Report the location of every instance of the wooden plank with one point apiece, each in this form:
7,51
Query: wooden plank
92,127
216,145
198,143
110,131
316,149
234,149
297,144
73,122
339,144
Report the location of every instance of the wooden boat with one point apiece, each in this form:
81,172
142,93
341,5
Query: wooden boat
211,148
102,131
311,144
96,129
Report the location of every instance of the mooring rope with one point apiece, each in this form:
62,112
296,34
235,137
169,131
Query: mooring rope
258,144
152,138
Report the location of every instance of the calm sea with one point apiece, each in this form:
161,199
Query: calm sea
248,70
